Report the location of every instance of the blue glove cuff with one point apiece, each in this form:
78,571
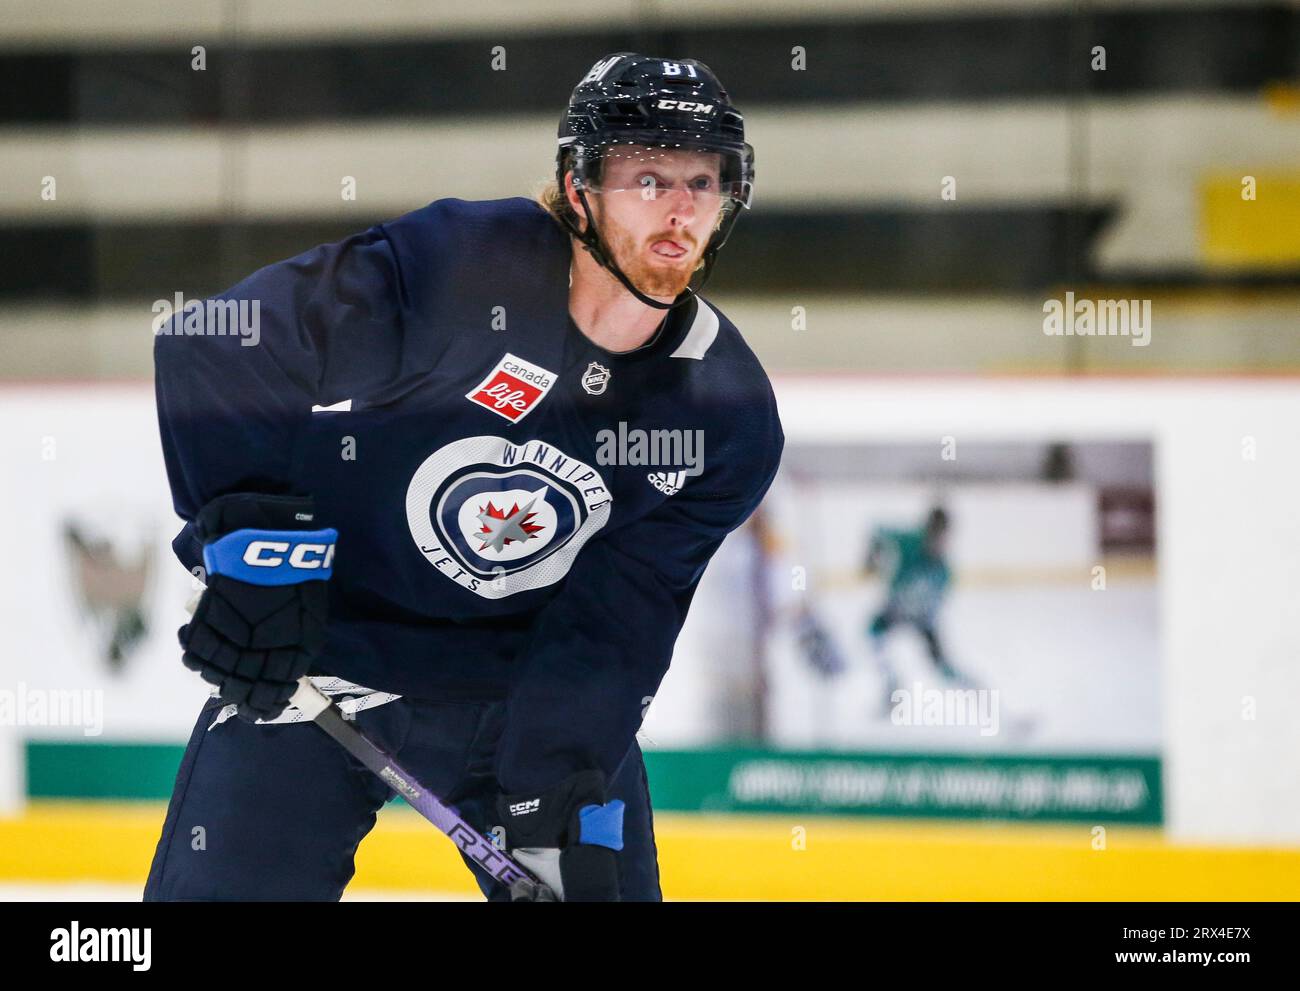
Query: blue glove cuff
272,557
602,825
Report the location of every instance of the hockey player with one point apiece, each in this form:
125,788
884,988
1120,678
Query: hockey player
404,488
918,581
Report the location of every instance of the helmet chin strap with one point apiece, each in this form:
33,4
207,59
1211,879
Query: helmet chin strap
593,243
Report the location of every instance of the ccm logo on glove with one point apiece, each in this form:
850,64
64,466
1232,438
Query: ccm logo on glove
255,555
271,557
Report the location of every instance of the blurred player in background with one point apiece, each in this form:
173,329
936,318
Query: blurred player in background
918,579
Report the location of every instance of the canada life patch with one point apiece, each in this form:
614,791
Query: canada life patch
513,388
499,518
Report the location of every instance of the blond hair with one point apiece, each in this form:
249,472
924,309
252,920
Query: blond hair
551,198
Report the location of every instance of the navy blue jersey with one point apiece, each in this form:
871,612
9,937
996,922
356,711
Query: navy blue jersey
521,513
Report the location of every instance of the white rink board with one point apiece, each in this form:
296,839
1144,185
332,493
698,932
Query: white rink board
1229,556
91,454
1228,545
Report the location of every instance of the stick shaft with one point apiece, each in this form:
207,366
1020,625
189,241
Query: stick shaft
469,840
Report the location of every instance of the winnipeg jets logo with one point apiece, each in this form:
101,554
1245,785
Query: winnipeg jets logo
499,518
501,528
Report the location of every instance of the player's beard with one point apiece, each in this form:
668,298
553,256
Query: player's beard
666,280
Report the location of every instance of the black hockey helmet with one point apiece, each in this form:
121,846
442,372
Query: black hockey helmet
656,103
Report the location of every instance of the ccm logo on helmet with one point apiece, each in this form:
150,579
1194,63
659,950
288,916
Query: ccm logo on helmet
267,554
699,108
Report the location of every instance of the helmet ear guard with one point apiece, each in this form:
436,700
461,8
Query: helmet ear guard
589,237
635,99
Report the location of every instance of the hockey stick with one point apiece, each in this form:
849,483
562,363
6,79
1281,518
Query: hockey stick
325,714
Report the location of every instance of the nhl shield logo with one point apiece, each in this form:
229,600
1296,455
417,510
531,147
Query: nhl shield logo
595,379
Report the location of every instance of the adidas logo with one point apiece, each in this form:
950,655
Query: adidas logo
667,482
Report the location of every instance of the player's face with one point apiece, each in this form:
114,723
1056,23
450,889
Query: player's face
656,209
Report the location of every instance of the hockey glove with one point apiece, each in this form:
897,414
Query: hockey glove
260,622
568,837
